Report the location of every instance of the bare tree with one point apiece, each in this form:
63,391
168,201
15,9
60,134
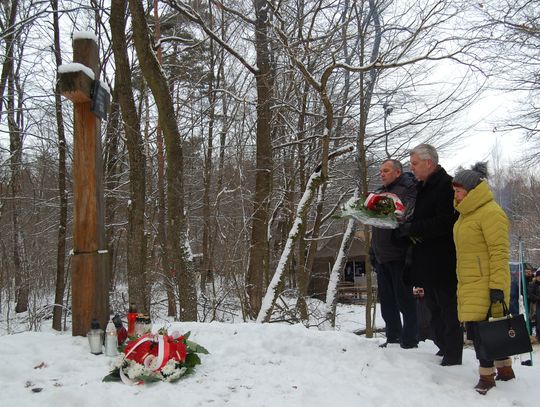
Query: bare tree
62,190
15,115
9,29
511,32
251,97
136,241
258,268
175,188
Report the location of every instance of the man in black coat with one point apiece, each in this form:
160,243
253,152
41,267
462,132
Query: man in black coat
433,265
388,260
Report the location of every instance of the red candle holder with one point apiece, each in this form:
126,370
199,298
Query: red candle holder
131,317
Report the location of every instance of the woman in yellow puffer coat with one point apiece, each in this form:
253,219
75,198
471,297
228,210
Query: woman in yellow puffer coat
482,250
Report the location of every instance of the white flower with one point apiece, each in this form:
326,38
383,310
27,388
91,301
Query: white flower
119,361
134,370
169,368
176,374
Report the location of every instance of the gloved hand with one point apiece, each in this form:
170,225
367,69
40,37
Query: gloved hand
496,296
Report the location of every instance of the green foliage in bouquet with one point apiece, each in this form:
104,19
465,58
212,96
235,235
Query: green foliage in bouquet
379,210
381,206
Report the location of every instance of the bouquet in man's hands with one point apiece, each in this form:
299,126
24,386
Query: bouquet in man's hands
383,210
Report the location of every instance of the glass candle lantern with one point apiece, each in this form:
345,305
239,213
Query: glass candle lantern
111,340
95,338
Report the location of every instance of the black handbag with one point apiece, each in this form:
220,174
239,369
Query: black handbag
499,338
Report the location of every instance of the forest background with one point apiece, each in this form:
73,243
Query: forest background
236,130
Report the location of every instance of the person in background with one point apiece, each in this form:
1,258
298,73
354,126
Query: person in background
483,251
433,260
388,260
516,287
529,278
533,294
530,274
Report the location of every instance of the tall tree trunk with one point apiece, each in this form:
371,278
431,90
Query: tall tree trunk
8,36
207,180
111,171
177,229
15,149
304,275
258,255
302,243
15,162
367,84
168,270
136,242
168,276
348,236
62,193
348,56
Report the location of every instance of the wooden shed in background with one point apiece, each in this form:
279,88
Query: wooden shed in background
352,285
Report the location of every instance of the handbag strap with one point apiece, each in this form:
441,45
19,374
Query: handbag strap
505,310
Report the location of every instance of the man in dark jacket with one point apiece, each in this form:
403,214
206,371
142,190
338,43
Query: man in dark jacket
389,261
433,264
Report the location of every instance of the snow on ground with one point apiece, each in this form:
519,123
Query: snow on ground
258,365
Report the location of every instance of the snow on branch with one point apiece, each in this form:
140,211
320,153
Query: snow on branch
313,184
271,293
333,281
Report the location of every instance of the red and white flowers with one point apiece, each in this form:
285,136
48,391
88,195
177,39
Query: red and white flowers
156,357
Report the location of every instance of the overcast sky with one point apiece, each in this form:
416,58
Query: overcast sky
480,142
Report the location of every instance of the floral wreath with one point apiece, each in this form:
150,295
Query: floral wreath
156,357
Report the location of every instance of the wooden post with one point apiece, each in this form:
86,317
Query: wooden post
90,266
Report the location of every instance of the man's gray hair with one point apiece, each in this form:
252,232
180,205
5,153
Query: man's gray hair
426,152
395,164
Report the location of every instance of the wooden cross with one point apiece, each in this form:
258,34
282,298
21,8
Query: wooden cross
90,274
